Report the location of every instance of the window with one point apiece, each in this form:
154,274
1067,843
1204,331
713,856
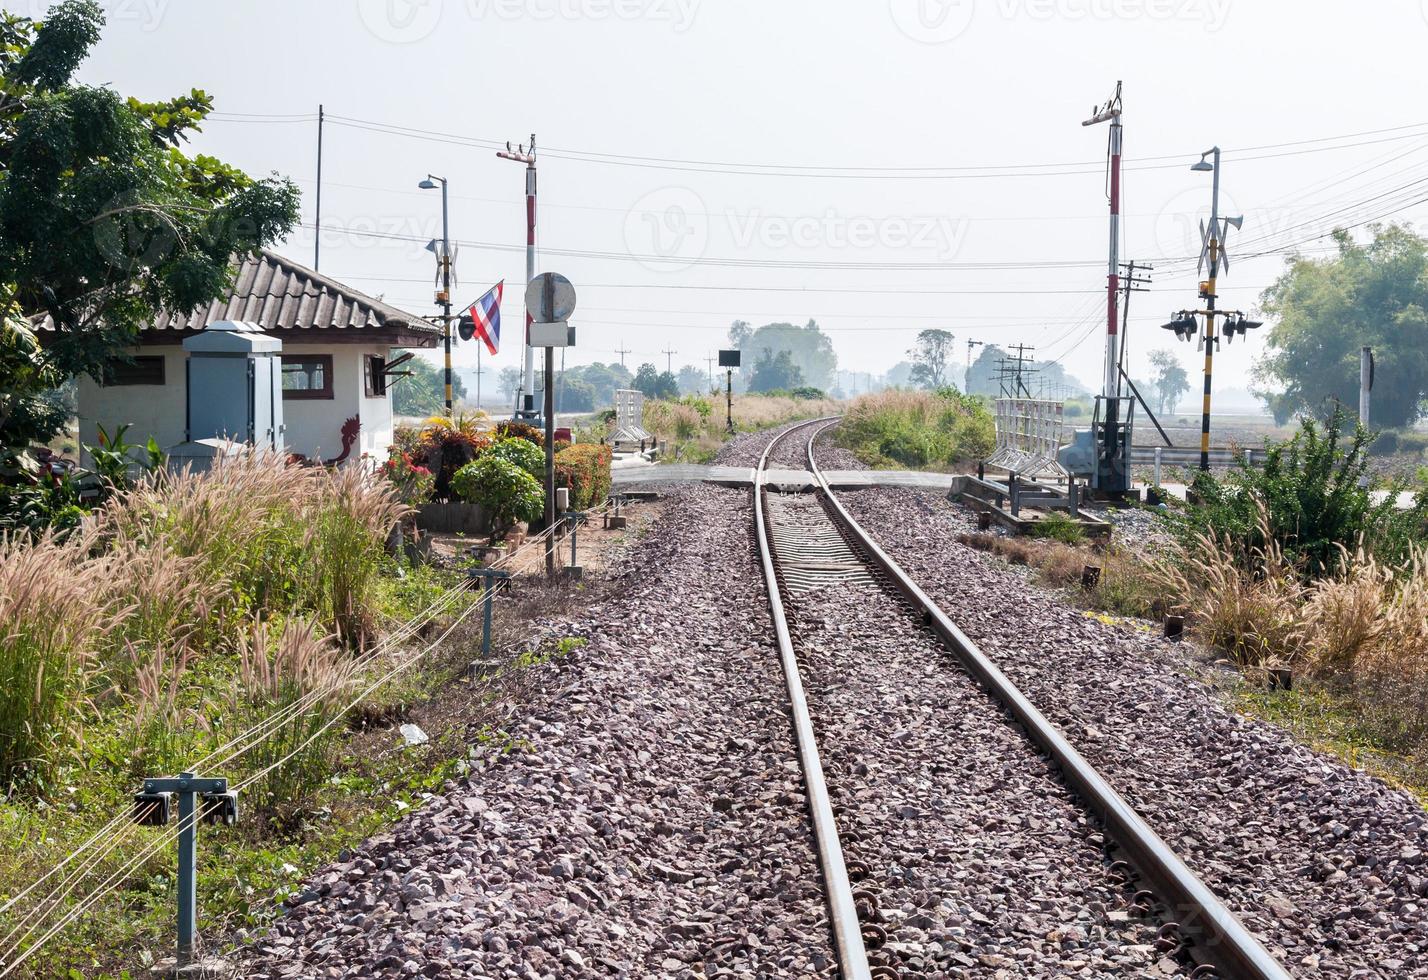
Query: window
307,376
142,371
376,375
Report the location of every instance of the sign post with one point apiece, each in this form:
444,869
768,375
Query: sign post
550,299
729,359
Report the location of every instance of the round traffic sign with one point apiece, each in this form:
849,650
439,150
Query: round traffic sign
550,298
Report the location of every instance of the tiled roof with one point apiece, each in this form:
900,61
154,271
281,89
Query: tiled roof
279,294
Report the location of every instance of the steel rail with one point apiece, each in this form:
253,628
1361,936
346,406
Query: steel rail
843,914
1222,940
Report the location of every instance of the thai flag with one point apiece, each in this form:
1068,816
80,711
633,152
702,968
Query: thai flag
485,313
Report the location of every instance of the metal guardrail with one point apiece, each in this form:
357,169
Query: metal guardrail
843,914
1222,940
1187,455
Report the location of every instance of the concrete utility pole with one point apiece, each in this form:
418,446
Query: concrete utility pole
1365,383
527,155
1112,474
709,362
669,363
317,220
967,380
622,350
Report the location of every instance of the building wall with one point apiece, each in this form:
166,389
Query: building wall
314,427
150,410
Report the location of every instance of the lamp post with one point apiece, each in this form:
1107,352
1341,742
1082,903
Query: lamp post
1207,290
1184,324
444,260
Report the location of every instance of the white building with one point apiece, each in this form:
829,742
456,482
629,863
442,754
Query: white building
336,345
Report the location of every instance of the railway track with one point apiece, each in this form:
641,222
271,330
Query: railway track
811,542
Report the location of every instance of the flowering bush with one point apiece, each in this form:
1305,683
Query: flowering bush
449,444
512,429
413,482
585,469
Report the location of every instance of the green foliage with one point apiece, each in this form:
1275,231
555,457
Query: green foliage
775,372
507,491
1316,495
1171,380
809,349
808,393
423,391
445,445
413,483
511,429
45,505
655,384
28,410
1374,294
929,358
585,469
518,452
918,430
103,221
1058,527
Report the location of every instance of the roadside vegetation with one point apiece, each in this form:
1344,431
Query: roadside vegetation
925,430
696,426
1303,575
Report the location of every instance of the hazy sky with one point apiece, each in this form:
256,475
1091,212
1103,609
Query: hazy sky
881,166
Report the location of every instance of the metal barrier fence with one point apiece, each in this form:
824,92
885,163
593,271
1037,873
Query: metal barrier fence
1029,434
629,416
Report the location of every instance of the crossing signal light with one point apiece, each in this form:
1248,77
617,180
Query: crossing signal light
1238,325
1183,324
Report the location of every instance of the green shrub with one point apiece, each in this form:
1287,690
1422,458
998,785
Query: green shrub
917,429
1058,527
511,429
518,452
507,491
1412,442
585,469
33,508
805,393
1317,498
1385,445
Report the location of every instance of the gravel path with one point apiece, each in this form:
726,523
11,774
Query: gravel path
1325,863
651,824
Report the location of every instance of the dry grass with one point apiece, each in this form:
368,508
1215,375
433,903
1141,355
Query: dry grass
698,426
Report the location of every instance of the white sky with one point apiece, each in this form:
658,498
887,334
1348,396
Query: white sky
794,84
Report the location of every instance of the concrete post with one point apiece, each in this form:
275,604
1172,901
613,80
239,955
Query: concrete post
1365,383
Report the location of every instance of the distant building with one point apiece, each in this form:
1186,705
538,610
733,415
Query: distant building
336,345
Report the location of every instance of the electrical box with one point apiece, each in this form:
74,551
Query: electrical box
729,358
235,385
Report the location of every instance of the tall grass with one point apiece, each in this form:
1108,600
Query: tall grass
917,429
277,670
53,615
698,426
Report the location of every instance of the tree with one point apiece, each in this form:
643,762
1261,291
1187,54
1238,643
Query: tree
775,372
104,222
656,384
809,348
929,358
508,382
1171,380
1375,294
423,391
982,377
899,375
693,381
602,379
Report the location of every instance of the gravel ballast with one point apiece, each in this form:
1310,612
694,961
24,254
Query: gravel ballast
1324,863
650,820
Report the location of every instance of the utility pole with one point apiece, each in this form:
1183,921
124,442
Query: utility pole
622,351
317,220
967,380
669,363
1112,473
1212,249
1131,283
709,362
444,262
527,155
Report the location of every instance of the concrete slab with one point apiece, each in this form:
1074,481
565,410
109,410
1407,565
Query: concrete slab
739,476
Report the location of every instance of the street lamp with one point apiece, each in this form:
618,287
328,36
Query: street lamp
444,260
